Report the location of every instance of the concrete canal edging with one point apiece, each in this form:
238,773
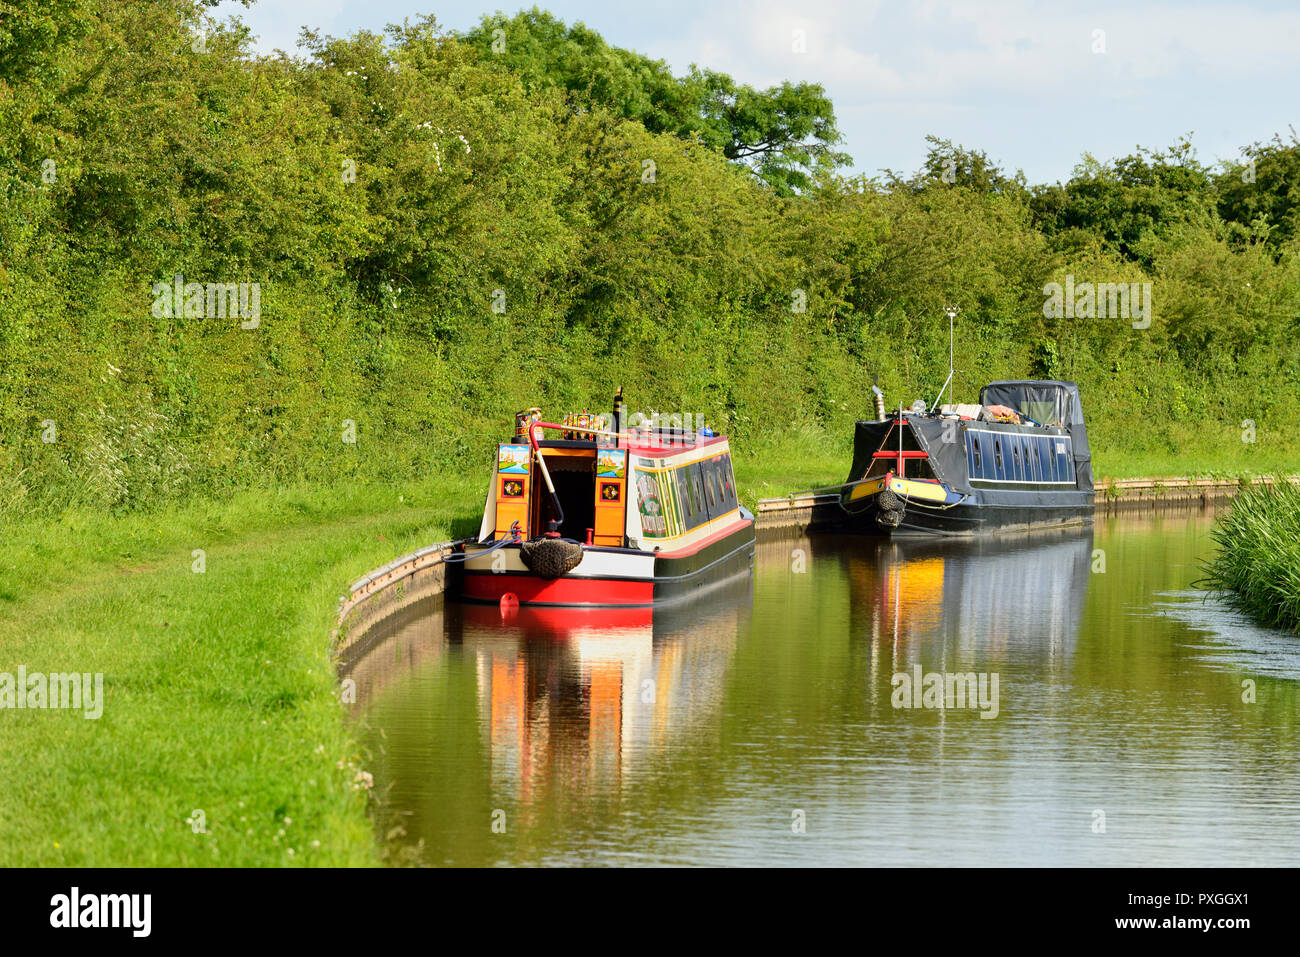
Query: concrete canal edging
1119,495
387,590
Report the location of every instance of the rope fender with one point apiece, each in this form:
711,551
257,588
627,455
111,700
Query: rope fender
551,557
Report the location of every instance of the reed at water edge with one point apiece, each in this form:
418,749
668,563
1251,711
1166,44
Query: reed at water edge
1257,564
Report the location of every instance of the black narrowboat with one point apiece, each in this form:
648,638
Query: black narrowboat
1018,459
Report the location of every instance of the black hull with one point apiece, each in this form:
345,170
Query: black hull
978,518
685,577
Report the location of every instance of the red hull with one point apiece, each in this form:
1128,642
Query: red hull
558,622
559,591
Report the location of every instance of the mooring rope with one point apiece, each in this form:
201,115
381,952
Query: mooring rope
466,556
515,538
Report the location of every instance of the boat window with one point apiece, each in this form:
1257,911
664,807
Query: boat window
973,449
650,502
1038,460
1064,470
724,478
1017,469
986,453
997,457
673,504
691,476
683,491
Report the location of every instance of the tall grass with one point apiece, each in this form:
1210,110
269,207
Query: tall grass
1257,564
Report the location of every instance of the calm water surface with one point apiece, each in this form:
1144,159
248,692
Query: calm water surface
714,732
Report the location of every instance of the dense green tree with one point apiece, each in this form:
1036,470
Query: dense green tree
1262,194
1130,199
949,164
785,134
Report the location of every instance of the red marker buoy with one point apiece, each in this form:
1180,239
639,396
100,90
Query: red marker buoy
509,604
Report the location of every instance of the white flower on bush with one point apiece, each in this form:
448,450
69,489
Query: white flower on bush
131,459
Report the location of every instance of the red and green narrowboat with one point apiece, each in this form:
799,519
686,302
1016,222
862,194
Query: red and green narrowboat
607,511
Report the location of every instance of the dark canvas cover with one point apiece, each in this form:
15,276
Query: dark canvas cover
1030,396
945,442
941,439
867,436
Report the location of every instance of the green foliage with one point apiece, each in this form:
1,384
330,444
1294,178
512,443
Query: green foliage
1261,197
33,32
1130,200
786,134
949,164
443,233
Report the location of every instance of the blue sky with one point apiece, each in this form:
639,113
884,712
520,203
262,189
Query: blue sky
1019,80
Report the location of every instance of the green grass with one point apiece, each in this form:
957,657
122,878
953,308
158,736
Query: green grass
1257,563
1227,462
794,460
219,692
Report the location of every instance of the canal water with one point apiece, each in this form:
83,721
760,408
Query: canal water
1135,722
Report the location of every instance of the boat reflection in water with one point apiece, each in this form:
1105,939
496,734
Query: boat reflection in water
533,718
985,593
579,699
934,601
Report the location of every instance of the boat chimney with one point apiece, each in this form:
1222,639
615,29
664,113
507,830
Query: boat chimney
880,399
618,417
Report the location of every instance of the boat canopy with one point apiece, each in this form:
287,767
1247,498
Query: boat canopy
947,459
1046,401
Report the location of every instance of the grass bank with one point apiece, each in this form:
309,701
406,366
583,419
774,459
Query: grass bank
1258,559
219,695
